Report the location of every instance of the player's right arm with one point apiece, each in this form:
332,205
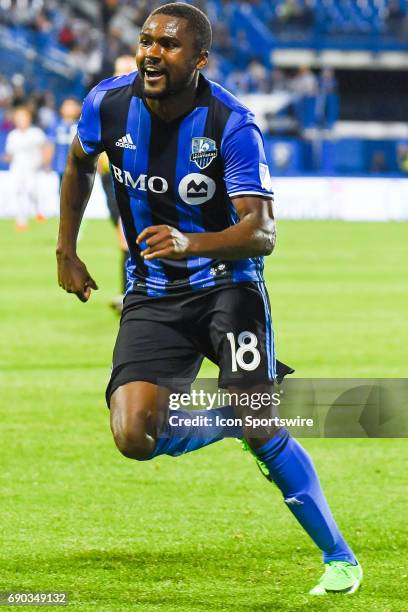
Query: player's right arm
76,189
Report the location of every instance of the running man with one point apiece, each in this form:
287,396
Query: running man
195,198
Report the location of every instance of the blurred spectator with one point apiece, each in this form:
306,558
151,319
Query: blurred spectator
305,86
124,64
305,82
237,82
66,36
279,81
222,42
242,52
108,10
47,115
402,157
124,25
328,100
396,19
6,92
112,48
259,77
282,155
292,15
378,162
295,13
19,92
256,78
213,70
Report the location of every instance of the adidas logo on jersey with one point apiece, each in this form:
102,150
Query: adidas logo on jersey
125,142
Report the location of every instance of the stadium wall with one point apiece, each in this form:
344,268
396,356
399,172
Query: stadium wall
297,197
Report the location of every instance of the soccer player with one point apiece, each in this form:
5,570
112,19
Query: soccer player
195,198
26,151
62,134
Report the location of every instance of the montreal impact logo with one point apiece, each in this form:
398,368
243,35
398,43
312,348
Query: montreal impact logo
203,151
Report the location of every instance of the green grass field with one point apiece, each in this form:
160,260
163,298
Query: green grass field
202,532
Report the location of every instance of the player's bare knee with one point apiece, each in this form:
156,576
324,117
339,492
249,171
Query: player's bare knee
132,445
130,437
129,425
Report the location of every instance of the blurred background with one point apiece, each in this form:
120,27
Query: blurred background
325,78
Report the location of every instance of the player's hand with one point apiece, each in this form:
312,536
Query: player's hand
74,277
164,241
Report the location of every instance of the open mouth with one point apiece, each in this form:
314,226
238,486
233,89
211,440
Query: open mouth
152,75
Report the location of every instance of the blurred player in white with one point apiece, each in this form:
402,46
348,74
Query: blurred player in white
26,150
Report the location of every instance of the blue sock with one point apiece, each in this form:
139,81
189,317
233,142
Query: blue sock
178,439
294,473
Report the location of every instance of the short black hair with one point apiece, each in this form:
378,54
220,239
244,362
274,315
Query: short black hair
198,21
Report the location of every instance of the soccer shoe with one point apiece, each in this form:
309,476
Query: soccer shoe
40,218
261,465
339,577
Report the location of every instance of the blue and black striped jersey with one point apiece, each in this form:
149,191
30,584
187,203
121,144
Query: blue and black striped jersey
61,135
181,173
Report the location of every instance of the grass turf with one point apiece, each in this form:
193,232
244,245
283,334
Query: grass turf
204,531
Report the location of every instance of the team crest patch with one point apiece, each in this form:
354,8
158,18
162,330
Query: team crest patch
203,151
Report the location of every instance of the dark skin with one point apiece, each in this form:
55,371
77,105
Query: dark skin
169,64
76,189
168,48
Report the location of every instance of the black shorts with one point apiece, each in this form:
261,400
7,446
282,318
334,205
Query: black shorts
164,340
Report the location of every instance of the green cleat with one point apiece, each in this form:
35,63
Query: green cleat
339,577
261,465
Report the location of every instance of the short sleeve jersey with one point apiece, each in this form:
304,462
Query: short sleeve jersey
25,148
61,135
181,173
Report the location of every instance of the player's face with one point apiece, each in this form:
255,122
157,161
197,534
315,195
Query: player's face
167,57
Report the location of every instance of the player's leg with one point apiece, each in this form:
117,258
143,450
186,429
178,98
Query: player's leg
150,357
35,195
135,411
242,332
292,470
142,429
18,190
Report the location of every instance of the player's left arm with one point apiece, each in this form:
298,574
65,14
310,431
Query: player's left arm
253,236
248,184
